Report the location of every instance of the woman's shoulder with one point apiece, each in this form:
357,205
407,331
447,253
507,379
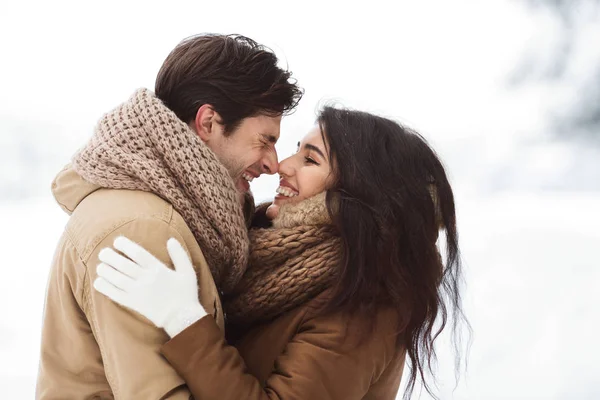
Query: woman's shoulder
368,341
373,330
383,315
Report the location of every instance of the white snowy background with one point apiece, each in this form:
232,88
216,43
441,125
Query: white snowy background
507,91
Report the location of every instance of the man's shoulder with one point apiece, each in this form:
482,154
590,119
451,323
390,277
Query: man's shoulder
107,211
116,203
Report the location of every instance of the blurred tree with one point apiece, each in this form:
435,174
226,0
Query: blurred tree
580,120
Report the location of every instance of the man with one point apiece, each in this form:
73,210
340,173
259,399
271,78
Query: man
171,164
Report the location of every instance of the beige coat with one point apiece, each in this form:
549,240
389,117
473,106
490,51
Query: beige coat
300,355
91,347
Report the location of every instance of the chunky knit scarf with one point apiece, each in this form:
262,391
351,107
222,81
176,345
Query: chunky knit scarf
142,145
290,263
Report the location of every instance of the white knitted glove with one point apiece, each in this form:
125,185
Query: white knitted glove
168,298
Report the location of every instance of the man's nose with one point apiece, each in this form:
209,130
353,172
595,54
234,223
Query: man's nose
270,165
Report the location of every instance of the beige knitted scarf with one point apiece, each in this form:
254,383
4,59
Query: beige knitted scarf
290,263
142,145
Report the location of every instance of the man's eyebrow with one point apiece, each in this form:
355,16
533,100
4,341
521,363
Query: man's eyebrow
270,138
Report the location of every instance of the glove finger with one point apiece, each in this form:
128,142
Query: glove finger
120,263
112,292
180,259
114,277
136,253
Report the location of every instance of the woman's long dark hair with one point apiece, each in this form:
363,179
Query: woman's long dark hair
390,199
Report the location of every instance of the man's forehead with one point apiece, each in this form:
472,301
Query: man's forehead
269,128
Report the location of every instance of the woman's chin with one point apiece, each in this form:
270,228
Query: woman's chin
278,201
281,200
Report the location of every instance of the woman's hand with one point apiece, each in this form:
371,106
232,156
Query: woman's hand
141,282
272,211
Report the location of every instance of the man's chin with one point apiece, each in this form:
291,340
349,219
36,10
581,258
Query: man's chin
242,185
244,192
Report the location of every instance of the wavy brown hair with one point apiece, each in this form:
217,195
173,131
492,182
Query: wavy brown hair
237,76
390,199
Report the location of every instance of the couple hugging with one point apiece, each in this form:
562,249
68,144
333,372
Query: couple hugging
169,283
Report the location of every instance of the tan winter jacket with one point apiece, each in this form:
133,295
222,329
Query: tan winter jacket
300,355
91,347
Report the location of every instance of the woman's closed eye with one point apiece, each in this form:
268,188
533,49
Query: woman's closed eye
309,160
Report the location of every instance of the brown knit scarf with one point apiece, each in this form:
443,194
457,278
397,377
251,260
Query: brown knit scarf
290,263
142,145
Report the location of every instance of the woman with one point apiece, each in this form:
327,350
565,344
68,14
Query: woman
344,279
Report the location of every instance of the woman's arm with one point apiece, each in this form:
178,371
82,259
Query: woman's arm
318,363
143,283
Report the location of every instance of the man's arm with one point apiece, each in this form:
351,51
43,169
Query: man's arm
70,362
129,343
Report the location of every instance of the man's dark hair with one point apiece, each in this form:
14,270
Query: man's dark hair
234,74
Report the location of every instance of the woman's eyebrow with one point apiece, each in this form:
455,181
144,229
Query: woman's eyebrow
315,149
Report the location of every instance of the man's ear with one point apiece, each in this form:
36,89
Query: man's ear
207,122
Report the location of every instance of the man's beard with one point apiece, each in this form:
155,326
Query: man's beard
235,170
234,167
246,199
